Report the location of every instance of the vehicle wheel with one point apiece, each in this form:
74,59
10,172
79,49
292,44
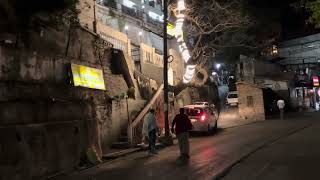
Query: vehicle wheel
215,126
211,130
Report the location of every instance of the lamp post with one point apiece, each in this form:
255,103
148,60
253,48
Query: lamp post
167,138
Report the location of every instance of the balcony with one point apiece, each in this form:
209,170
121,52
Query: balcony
108,3
132,12
154,23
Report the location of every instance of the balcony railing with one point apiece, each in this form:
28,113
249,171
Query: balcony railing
132,12
108,3
154,22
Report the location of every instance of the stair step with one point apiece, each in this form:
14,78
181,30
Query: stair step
123,139
120,145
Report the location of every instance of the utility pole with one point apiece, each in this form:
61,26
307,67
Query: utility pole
94,23
165,67
168,139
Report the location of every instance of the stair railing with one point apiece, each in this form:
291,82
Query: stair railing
135,126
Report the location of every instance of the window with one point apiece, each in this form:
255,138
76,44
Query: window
233,96
128,3
194,112
249,101
148,57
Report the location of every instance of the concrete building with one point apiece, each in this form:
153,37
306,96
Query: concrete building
261,76
301,57
135,27
251,103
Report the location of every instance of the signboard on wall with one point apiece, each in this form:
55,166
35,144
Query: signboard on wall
171,30
315,80
87,77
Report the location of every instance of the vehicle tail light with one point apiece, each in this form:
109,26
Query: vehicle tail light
203,117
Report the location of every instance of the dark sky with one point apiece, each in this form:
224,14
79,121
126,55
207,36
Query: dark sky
293,21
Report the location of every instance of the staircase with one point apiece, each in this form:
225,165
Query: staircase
135,127
132,136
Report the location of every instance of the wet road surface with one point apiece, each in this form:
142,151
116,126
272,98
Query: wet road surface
212,155
295,157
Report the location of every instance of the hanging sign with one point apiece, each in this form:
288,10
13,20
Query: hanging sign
315,80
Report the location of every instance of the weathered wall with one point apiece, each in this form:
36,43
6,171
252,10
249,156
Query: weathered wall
255,109
46,124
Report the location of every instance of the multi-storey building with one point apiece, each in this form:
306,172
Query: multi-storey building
135,27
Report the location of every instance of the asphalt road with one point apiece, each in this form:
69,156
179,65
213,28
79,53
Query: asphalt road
263,150
294,157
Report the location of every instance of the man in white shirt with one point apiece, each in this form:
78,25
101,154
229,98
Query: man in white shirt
281,105
150,129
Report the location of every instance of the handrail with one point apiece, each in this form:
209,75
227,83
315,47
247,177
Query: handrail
139,118
147,107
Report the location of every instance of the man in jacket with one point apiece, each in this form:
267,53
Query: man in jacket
182,125
150,129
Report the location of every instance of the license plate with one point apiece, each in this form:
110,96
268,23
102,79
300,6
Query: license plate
193,120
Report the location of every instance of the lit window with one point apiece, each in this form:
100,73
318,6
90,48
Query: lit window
128,3
154,15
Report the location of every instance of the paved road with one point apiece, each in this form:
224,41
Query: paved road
211,156
295,157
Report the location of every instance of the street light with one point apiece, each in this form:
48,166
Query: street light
218,66
140,35
126,27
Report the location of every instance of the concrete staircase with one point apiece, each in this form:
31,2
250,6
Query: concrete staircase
123,140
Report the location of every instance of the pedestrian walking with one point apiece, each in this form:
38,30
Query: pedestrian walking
281,104
150,129
181,125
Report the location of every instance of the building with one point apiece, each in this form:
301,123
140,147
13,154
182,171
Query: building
135,27
301,57
251,101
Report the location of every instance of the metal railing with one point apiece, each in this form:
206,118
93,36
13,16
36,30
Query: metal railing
132,12
109,3
154,23
135,127
117,44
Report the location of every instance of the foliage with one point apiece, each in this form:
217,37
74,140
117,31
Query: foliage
131,92
313,7
224,26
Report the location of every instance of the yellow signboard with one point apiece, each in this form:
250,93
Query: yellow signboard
171,30
87,77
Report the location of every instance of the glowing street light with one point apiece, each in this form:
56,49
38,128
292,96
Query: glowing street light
218,66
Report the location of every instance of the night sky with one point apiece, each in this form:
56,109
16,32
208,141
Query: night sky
293,21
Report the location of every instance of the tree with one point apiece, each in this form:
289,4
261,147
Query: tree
312,7
223,26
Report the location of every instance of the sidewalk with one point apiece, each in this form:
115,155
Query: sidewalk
230,118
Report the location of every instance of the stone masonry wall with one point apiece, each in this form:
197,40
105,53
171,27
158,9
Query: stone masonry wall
46,124
253,110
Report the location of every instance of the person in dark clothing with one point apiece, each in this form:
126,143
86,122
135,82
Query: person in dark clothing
181,125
